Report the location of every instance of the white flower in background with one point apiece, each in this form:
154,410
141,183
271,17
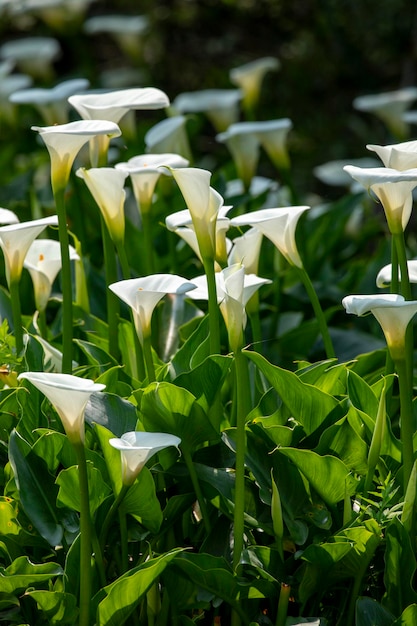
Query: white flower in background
64,141
393,313
43,261
9,84
136,448
106,185
15,241
169,135
393,189
333,174
399,156
51,103
389,107
57,14
279,225
8,217
249,77
143,294
272,135
69,395
127,30
244,147
246,250
221,106
32,55
145,170
384,276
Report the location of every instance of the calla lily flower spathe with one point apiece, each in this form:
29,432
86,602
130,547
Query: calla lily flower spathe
246,250
170,135
145,170
136,448
221,106
106,185
389,107
32,55
392,188
249,77
8,217
143,294
64,141
15,241
51,103
393,313
399,156
384,276
127,30
69,395
333,174
43,261
279,225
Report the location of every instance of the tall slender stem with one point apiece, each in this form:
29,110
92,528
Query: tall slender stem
197,488
242,387
321,320
147,354
110,515
112,301
213,307
148,252
406,414
17,314
85,537
59,196
402,262
284,597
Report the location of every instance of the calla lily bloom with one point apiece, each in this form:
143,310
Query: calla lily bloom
272,135
399,156
221,106
170,135
333,174
126,30
279,225
384,276
244,147
137,448
143,294
392,188
32,55
69,395
234,290
9,84
249,78
203,203
106,185
389,107
15,241
393,313
64,141
246,250
145,170
8,217
43,261
51,103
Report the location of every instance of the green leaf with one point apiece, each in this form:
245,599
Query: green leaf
328,376
58,607
142,503
36,489
370,613
116,414
98,359
400,567
328,475
197,343
308,405
361,395
117,601
206,379
342,440
22,573
171,409
408,617
69,488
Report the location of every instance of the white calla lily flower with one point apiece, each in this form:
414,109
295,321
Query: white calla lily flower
244,146
43,261
249,78
221,106
106,185
32,55
246,250
393,189
143,294
389,107
169,135
399,156
333,174
64,141
384,276
393,313
15,241
127,30
145,170
69,395
279,225
8,217
136,448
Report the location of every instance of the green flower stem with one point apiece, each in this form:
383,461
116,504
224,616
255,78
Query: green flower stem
17,314
213,307
59,196
321,320
395,282
406,414
113,307
197,488
124,263
110,515
98,556
148,252
284,597
242,402
399,243
85,537
252,310
123,539
42,324
148,358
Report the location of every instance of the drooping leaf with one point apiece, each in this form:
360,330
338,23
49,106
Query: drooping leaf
58,607
69,488
370,613
205,380
22,573
408,617
400,567
116,414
